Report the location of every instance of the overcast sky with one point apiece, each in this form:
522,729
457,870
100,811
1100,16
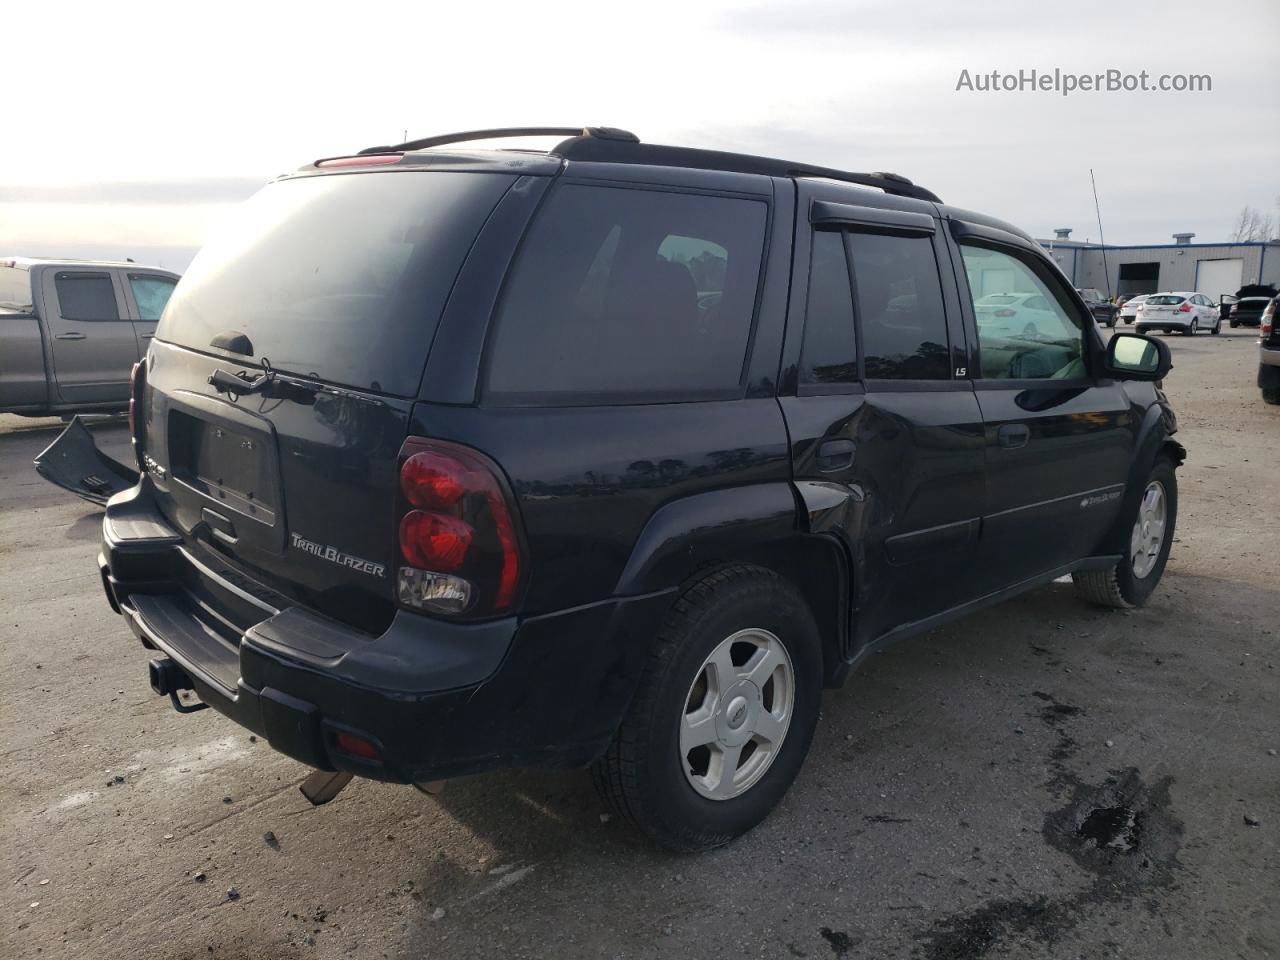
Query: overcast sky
135,127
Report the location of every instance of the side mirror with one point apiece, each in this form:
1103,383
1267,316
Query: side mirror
1133,356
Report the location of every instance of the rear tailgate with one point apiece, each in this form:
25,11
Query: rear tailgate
327,294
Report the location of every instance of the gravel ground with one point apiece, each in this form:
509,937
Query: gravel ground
1039,780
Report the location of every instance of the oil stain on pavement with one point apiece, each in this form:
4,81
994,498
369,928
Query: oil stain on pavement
1120,831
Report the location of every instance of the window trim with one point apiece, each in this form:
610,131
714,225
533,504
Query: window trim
1052,278
100,274
487,398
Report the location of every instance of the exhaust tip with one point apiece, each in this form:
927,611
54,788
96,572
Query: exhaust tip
167,677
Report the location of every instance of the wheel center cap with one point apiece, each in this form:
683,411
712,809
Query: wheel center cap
737,712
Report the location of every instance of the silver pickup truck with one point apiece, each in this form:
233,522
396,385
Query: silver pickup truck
71,330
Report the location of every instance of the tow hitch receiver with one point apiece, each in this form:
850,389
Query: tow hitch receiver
323,785
167,678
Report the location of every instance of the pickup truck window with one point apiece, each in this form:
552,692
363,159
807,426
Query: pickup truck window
86,296
15,289
151,294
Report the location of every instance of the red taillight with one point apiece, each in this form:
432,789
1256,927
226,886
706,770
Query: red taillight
434,541
372,160
1006,313
1186,307
1268,320
461,552
357,747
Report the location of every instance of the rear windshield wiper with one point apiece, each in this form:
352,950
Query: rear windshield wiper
241,384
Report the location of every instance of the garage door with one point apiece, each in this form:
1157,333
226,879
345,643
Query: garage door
1216,277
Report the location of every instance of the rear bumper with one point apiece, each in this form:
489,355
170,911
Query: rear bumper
438,699
1269,369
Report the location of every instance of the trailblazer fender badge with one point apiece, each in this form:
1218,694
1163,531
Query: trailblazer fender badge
334,555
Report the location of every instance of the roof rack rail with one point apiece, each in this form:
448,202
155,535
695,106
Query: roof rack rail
596,133
603,150
612,145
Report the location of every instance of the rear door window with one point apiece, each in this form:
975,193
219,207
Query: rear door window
829,355
15,290
339,277
86,296
900,313
626,294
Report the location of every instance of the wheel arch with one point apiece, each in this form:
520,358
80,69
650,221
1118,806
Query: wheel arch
688,539
1154,440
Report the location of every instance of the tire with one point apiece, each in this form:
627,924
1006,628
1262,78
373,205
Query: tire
1271,396
1217,327
1139,330
1193,329
1123,584
644,776
1232,324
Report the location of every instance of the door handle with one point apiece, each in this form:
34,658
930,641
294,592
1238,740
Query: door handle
835,455
1013,435
68,336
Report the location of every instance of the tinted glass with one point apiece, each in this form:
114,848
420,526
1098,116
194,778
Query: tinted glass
623,292
1165,300
904,331
151,294
339,277
1039,336
15,289
86,296
829,354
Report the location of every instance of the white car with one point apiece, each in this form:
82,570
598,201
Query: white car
1129,309
1184,311
1016,314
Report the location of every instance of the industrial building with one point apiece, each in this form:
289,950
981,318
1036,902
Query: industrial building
1213,269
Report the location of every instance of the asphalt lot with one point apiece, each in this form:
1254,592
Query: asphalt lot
1043,779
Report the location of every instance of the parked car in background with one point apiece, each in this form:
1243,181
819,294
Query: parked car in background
1251,301
520,485
1103,310
1014,314
1129,307
1269,350
71,331
1185,312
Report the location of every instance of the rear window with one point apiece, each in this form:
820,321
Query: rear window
629,293
339,277
1164,301
15,290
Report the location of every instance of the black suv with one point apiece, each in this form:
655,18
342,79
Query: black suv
1103,310
611,455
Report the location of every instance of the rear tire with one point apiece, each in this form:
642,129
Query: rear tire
1217,327
644,775
1271,396
1131,582
1233,324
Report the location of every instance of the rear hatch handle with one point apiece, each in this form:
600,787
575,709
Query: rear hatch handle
75,463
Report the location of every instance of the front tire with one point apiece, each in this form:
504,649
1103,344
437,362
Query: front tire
1193,329
1131,582
724,714
1217,327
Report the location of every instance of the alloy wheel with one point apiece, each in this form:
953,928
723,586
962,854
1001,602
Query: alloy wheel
736,714
1148,530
